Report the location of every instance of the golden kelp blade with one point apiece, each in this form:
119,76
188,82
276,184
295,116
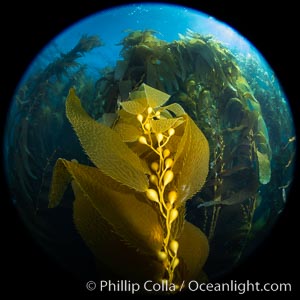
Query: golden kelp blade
155,98
130,216
59,183
163,125
142,98
184,142
105,147
191,161
127,132
135,107
108,247
176,109
194,249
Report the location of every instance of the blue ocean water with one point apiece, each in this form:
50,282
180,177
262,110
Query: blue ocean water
112,25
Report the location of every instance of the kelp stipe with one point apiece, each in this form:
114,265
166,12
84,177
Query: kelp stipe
130,208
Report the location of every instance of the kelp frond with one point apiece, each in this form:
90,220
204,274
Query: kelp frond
146,167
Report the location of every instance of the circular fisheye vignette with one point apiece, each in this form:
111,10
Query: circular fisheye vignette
188,134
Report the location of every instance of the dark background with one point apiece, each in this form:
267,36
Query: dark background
26,28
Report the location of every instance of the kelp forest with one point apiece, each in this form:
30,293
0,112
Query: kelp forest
232,100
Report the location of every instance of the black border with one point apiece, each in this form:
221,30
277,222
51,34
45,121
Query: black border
28,26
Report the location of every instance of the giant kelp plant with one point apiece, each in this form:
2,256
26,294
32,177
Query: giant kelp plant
148,165
230,98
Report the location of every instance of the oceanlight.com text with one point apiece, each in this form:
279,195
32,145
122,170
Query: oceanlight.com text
239,287
192,286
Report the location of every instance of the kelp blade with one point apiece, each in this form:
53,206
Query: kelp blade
163,125
191,161
155,97
134,107
194,249
127,132
60,180
264,168
108,247
176,109
105,147
132,218
121,230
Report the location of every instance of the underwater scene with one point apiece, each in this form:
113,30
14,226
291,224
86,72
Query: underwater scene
141,147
